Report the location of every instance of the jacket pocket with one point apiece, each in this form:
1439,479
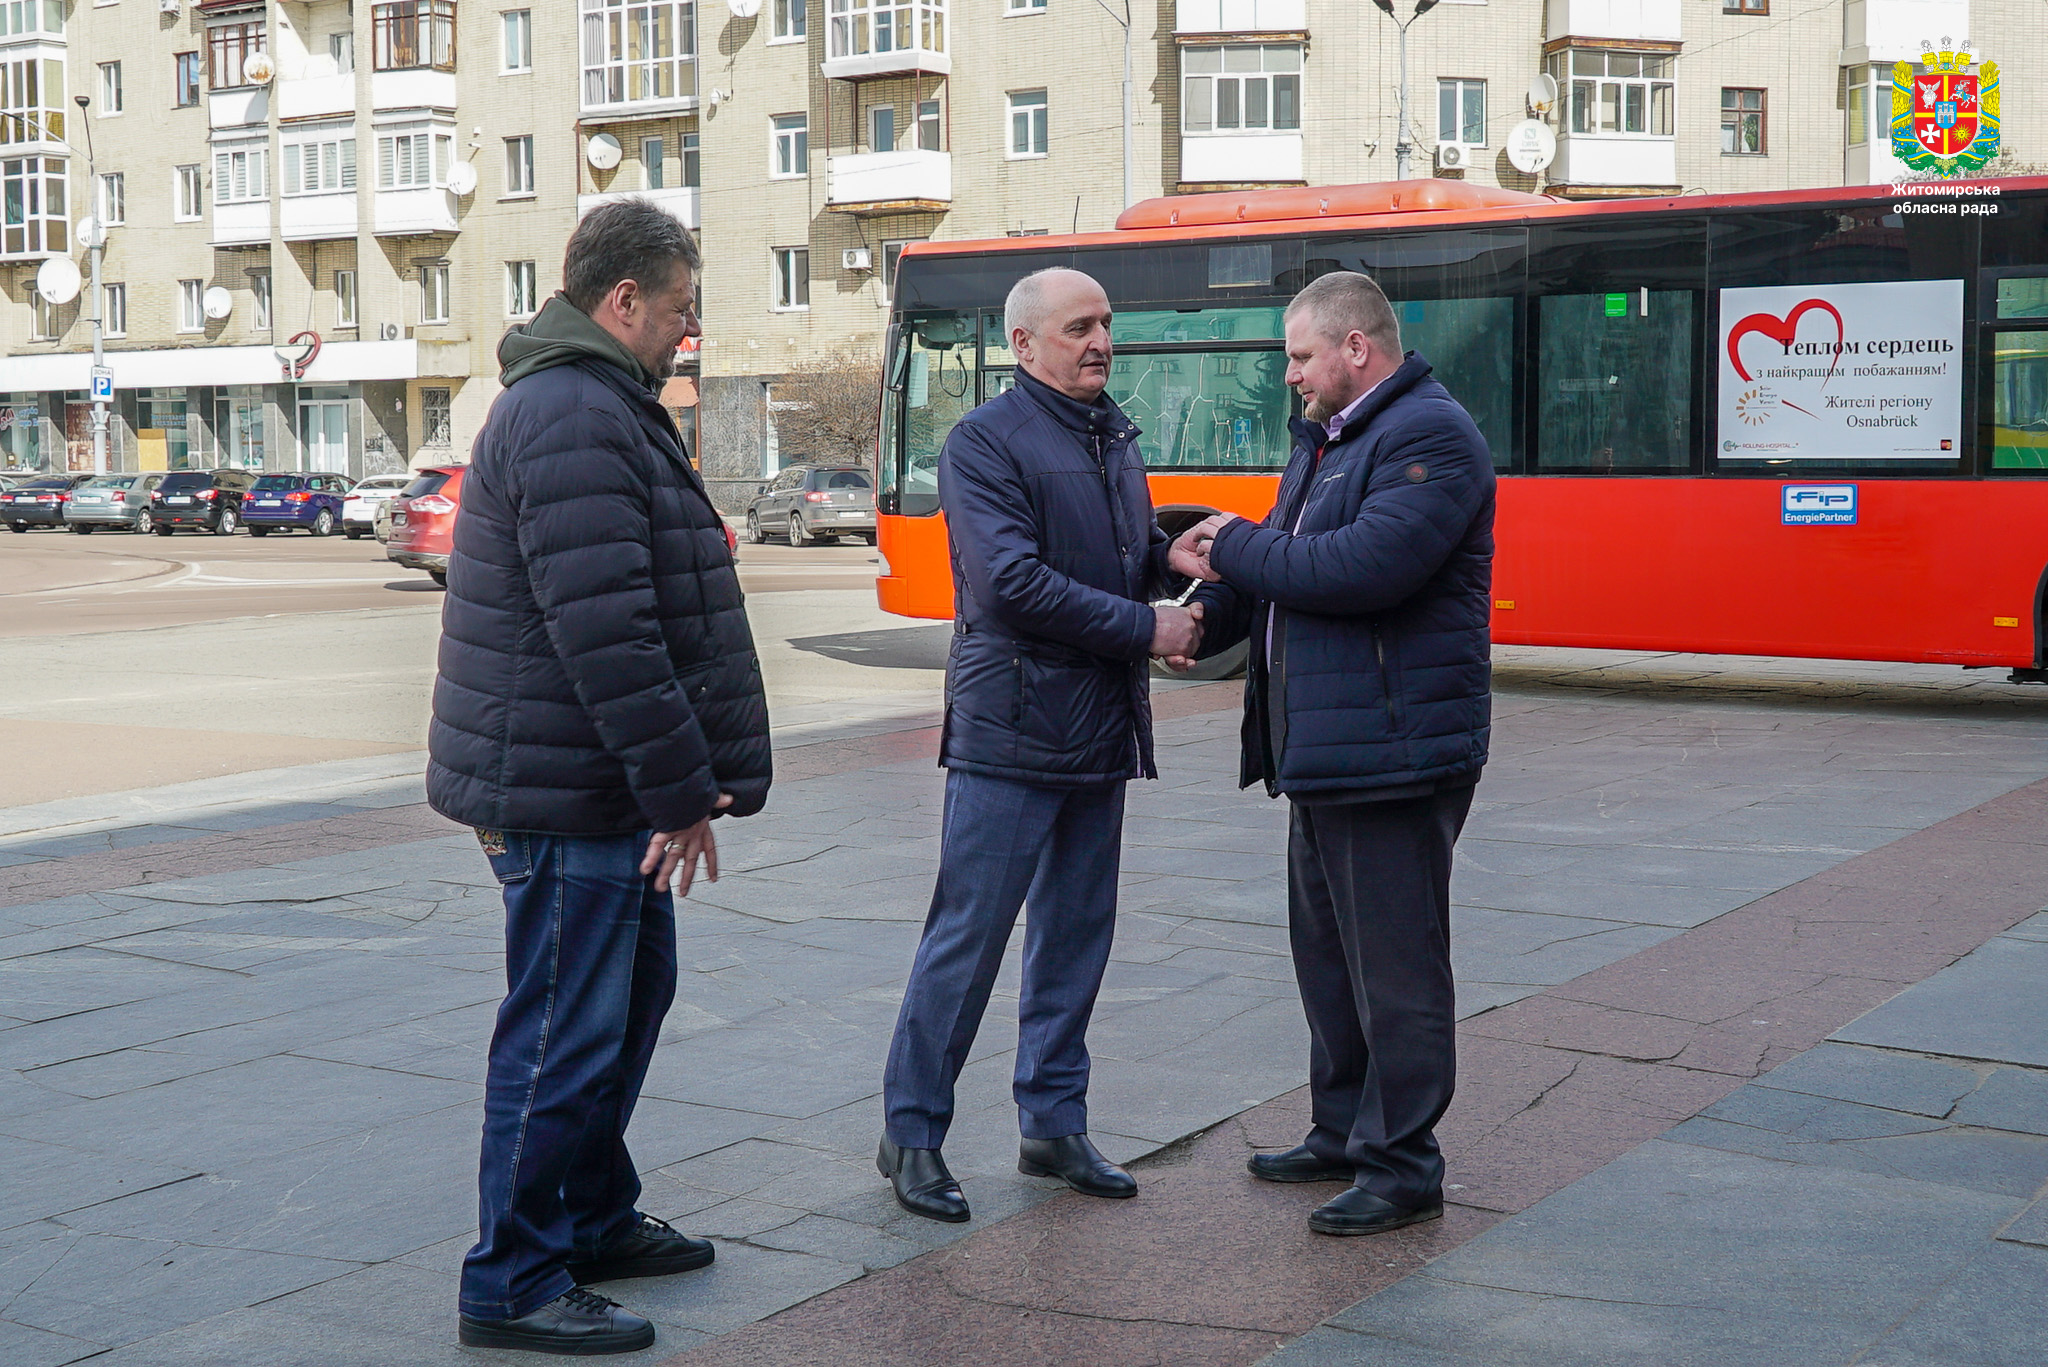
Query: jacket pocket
510,853
696,682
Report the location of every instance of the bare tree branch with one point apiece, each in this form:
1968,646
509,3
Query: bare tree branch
826,410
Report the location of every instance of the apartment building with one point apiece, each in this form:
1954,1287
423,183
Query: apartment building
398,176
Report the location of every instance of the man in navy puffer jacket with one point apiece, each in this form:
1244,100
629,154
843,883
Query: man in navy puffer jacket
1365,596
1056,557
599,701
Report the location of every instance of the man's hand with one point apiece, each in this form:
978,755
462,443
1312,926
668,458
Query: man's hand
672,855
1189,554
1177,634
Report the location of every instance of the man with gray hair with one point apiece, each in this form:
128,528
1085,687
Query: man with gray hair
1056,558
1365,592
599,703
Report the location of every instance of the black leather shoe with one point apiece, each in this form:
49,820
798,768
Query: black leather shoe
576,1323
1358,1211
1298,1165
650,1249
921,1182
1073,1160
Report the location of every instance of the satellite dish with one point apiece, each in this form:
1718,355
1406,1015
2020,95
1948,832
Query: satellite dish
743,9
462,178
57,280
604,152
217,302
258,68
91,232
1531,146
1543,92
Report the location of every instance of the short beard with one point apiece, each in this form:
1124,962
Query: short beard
664,368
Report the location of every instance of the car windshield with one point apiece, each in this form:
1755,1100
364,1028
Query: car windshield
279,482
111,482
845,479
186,480
428,483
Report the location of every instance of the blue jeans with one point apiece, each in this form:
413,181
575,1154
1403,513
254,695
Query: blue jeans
1005,843
590,968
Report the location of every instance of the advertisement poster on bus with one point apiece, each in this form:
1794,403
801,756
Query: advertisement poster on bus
1842,372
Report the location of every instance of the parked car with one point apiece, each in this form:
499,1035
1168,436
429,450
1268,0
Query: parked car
359,509
111,501
279,503
806,503
423,521
208,500
38,503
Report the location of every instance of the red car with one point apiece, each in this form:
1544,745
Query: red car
423,521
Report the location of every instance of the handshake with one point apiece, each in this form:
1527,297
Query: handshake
1177,630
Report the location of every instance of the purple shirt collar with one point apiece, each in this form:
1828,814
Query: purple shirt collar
1336,423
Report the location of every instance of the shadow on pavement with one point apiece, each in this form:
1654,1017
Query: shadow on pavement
893,648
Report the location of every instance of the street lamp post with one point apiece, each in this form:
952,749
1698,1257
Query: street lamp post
1125,22
99,236
1402,147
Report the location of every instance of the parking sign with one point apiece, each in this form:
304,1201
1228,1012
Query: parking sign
102,384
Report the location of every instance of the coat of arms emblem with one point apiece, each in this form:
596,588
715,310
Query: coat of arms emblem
1944,119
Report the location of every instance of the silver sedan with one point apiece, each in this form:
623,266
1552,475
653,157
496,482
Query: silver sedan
111,501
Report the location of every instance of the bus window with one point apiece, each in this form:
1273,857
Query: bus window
2019,404
939,387
1614,382
1470,346
1206,410
2023,297
1198,325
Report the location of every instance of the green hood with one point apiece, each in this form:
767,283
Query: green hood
562,334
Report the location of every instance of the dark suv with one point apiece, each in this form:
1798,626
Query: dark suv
209,500
806,503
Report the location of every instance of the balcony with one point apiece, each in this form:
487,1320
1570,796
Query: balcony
906,181
1899,30
1623,19
237,108
1240,158
309,97
241,224
869,38
317,218
1240,16
405,213
1588,167
681,202
420,88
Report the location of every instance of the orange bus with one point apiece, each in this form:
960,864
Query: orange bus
1808,423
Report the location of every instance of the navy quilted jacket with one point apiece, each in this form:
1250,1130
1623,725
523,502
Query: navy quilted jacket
1056,557
597,672
1378,607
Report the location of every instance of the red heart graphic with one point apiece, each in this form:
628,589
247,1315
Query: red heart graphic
1782,331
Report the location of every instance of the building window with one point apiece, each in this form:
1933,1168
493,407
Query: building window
636,51
1616,93
1023,6
259,285
113,198
1461,112
185,80
789,20
344,299
1241,89
187,202
36,217
790,151
792,277
1742,122
1867,97
519,289
228,50
239,177
21,17
929,128
42,317
517,29
1027,123
692,166
1745,6
882,128
341,50
31,100
413,35
858,28
413,160
114,311
892,253
434,292
191,306
435,427
110,88
319,168
653,163
519,165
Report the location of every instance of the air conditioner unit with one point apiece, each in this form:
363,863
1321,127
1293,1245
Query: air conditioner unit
856,259
387,332
167,6
1453,156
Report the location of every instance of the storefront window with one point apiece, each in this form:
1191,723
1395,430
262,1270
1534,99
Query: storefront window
238,423
162,438
21,421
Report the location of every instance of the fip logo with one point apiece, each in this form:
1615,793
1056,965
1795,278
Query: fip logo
1820,505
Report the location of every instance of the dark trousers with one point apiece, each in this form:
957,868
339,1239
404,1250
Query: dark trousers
1369,915
1006,844
590,967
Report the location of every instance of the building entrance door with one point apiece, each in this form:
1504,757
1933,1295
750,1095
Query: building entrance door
323,435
